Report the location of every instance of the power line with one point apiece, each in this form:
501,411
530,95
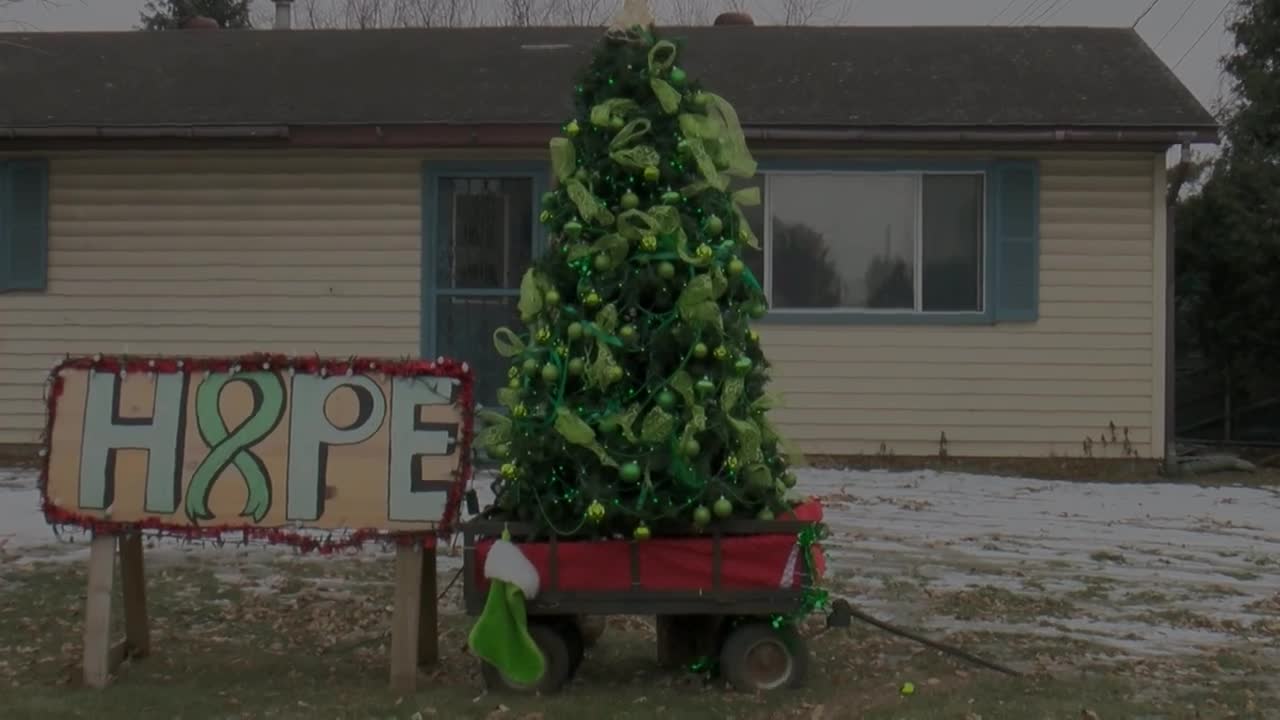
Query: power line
1178,22
1061,7
1030,9
1052,8
1150,7
1003,10
1207,28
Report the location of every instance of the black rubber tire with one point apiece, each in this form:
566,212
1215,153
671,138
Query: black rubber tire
574,642
555,648
757,657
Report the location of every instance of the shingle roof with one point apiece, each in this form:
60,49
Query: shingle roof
886,77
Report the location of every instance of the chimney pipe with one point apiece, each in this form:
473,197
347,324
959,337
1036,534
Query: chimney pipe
284,15
734,18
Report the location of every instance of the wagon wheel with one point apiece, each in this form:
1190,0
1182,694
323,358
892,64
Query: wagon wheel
574,641
555,647
756,656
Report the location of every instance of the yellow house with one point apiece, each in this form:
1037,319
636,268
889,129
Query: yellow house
964,228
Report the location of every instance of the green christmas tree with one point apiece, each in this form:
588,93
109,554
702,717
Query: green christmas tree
637,391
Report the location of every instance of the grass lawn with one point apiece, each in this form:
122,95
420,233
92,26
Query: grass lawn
247,637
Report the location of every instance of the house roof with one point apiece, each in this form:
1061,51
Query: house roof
905,78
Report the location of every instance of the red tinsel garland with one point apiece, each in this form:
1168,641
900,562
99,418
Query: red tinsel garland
442,367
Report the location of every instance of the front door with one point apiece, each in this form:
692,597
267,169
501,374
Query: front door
483,233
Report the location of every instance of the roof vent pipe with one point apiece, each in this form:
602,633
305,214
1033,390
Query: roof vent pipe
284,14
734,18
200,22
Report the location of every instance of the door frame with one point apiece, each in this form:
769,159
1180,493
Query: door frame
537,171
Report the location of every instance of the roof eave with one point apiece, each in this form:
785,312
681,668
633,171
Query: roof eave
536,134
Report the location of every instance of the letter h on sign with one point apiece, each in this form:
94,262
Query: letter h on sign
106,432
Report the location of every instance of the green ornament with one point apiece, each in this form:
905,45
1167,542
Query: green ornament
715,225
666,400
530,366
510,471
678,76
649,243
666,270
700,350
699,99
573,229
652,174
520,410
548,199
753,336
513,372
576,366
628,332
573,128
743,365
705,252
630,200
705,386
631,472
671,197
575,331
514,383
545,217
616,122
615,373
593,299
595,511
550,373
544,334
722,508
701,516
765,514
756,311
736,266
721,353
552,297
642,532
789,480
692,448
602,262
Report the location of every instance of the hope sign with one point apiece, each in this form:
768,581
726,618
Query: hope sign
261,448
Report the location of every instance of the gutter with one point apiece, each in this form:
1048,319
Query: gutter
533,135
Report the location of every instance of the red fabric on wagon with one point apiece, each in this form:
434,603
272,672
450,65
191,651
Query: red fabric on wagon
748,562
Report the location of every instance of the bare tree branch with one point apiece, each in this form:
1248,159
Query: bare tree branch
812,12
685,12
584,13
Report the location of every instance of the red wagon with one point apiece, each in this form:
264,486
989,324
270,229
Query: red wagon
717,595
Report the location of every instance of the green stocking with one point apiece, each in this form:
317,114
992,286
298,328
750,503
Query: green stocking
501,635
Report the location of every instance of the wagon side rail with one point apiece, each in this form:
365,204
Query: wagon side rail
637,599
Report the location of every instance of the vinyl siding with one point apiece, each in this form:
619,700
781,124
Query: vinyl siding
321,254
205,254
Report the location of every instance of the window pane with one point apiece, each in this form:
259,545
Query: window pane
755,216
485,234
464,331
845,241
952,247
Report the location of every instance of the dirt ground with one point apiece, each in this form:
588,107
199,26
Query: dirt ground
1124,600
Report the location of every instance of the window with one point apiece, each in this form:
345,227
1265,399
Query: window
24,194
897,245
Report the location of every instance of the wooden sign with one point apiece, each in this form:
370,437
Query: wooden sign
265,444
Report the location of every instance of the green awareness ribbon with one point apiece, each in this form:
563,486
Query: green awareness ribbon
231,447
662,56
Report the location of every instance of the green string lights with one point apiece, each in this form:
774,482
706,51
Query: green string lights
636,393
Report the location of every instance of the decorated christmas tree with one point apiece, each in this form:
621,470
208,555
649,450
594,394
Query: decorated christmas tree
637,401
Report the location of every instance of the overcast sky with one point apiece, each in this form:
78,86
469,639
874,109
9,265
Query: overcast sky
1178,22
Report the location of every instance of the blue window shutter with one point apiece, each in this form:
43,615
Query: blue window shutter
24,225
1016,188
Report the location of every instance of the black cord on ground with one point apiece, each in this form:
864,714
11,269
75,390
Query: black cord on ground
844,607
449,587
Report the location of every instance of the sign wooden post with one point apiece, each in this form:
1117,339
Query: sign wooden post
260,447
102,656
